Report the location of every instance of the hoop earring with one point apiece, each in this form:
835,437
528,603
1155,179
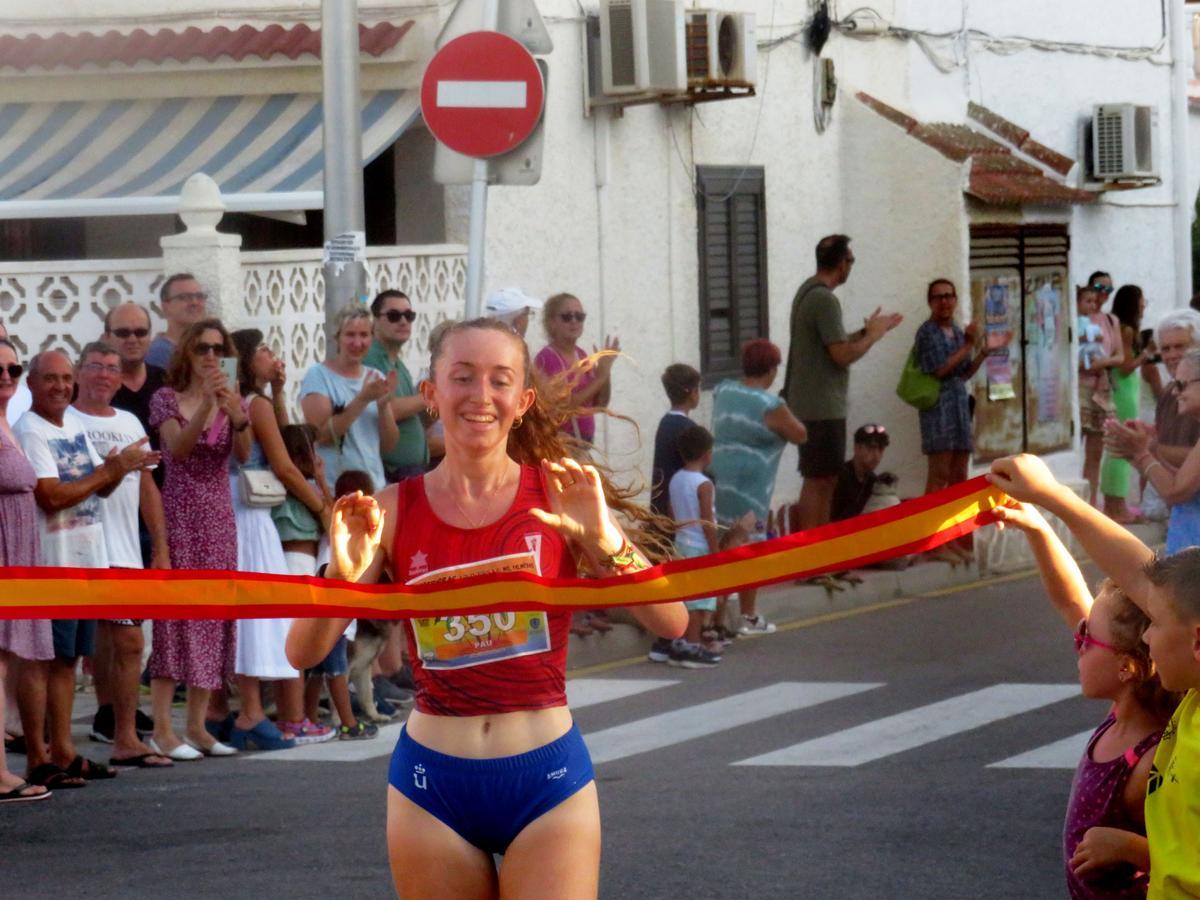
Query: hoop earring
432,412
517,422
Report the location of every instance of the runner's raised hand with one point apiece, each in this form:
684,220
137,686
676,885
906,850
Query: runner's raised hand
355,532
578,510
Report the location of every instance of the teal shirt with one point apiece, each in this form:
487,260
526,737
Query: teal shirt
411,450
745,451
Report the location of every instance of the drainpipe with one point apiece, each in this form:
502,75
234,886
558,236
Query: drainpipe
1184,203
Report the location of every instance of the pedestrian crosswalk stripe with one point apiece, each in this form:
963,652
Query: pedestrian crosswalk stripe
689,723
1062,754
916,727
583,692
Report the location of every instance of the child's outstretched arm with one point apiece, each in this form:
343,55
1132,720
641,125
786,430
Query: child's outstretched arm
1115,550
1065,584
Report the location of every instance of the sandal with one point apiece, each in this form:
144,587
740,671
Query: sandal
15,744
263,736
49,775
142,761
82,767
18,795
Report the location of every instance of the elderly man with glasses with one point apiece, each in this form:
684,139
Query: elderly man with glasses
184,303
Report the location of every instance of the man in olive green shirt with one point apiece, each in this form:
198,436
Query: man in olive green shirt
394,318
818,373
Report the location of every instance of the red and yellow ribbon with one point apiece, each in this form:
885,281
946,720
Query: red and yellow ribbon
911,527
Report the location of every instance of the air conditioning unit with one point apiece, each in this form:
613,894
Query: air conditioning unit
641,46
1123,142
721,48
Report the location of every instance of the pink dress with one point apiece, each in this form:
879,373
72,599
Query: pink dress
551,363
26,638
201,534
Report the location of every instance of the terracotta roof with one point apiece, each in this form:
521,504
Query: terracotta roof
997,175
73,51
1019,138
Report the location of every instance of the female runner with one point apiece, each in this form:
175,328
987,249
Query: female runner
489,760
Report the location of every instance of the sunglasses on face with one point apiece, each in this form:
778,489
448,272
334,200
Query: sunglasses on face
949,296
100,367
395,315
198,296
14,370
126,333
572,316
203,349
1083,640
1102,288
1179,386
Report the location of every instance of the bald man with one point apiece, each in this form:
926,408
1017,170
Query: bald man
127,330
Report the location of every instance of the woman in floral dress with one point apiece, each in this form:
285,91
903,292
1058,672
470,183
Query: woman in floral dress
201,422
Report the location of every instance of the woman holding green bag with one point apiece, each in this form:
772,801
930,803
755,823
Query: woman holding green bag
944,351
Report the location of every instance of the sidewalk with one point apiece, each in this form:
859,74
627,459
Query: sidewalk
997,554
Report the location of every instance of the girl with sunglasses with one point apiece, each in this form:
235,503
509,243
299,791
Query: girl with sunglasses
1105,853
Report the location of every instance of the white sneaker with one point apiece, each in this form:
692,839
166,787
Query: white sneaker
751,625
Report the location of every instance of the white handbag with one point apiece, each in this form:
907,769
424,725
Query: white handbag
260,488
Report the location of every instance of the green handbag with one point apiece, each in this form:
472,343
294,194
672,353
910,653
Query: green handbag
917,388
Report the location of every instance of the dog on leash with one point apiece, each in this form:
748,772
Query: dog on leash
369,640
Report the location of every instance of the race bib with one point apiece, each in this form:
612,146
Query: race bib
455,642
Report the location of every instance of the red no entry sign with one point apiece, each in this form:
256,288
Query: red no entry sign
482,94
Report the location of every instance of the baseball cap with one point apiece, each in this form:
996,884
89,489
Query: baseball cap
509,301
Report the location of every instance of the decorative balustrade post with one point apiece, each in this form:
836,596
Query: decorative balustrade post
212,256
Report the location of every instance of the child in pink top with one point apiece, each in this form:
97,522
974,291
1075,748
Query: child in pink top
1104,837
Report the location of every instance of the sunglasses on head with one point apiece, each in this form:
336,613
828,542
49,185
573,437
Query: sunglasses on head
125,333
572,316
395,315
14,370
874,429
1083,640
203,349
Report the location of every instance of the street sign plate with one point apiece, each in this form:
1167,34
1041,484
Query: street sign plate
482,94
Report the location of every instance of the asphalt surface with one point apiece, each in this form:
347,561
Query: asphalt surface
909,805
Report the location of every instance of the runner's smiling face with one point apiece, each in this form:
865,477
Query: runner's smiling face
479,388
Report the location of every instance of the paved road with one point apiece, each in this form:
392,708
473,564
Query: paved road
920,750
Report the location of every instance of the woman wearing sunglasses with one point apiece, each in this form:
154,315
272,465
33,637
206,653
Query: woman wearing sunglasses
1105,853
24,638
201,423
563,318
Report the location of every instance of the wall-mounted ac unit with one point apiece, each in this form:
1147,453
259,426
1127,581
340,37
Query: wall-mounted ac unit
721,48
1123,142
641,46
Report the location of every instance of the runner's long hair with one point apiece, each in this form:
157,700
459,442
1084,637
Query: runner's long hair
540,436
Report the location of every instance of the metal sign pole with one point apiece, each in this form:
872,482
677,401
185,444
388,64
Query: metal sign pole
477,232
345,222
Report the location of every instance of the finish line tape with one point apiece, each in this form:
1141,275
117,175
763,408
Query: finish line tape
911,527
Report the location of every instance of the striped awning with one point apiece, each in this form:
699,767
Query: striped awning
131,157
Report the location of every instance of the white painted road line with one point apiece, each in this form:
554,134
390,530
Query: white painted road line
917,727
1062,754
481,94
583,692
689,723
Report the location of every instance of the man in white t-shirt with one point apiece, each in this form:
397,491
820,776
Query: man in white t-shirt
119,642
72,477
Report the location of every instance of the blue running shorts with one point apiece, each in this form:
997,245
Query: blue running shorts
489,801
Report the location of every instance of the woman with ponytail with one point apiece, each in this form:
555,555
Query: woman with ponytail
490,760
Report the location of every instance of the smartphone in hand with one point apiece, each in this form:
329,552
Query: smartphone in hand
229,365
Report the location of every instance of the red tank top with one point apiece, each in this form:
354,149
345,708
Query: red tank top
483,664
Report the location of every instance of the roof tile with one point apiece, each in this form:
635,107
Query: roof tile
74,51
1020,138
